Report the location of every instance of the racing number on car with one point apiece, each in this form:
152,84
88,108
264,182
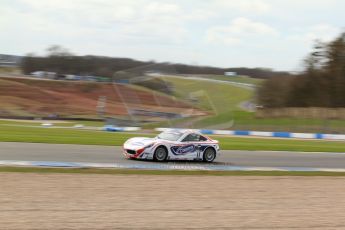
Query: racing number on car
198,149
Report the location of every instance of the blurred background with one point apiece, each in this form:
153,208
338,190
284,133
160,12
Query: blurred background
248,65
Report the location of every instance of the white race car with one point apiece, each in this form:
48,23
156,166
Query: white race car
172,145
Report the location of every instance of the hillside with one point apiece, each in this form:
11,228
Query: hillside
220,99
31,97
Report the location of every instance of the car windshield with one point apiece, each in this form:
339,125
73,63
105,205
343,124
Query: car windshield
170,136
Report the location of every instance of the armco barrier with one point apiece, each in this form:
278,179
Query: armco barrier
267,134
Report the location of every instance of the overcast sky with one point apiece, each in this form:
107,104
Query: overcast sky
225,33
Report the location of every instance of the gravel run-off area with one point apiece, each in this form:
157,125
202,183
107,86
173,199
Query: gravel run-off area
91,201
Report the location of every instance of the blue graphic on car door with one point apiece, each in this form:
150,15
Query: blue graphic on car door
183,150
188,149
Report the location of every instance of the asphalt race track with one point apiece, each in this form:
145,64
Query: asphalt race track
110,154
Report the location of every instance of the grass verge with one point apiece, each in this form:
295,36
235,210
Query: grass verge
58,123
163,172
89,137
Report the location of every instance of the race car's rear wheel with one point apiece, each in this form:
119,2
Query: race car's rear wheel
209,155
161,154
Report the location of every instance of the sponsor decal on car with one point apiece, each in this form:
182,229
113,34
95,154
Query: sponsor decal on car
181,150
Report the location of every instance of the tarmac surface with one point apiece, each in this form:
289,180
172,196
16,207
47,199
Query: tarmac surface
113,154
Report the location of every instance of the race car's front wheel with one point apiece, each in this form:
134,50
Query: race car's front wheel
161,154
209,155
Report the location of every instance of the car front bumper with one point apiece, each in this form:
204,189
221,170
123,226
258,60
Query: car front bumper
130,155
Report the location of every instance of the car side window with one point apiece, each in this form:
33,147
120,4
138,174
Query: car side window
191,137
202,138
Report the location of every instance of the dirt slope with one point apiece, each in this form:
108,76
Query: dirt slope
20,97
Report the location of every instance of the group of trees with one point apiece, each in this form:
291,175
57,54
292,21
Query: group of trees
252,72
322,84
61,61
